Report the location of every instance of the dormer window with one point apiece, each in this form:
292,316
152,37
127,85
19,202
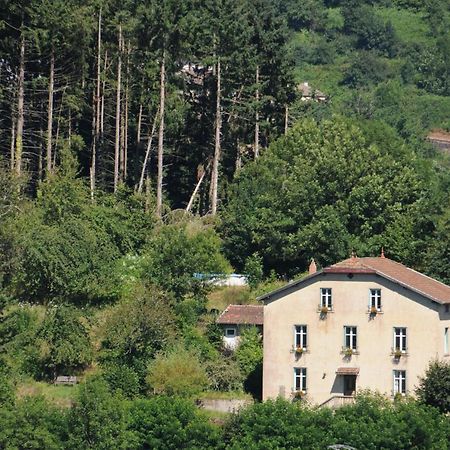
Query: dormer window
326,300
375,300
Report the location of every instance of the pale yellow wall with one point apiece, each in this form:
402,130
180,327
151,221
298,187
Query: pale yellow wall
425,322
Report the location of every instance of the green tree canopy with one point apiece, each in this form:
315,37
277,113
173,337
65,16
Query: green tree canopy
319,192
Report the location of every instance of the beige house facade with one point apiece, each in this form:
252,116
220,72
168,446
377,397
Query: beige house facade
361,323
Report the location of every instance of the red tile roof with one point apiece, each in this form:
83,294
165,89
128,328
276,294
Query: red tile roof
386,268
396,272
242,314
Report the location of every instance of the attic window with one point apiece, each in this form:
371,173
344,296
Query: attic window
447,308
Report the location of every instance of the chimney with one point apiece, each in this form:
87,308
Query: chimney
312,267
382,253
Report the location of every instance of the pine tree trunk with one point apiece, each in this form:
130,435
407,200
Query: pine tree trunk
217,146
102,108
118,110
162,98
125,137
41,153
257,115
51,86
197,188
20,102
147,153
13,141
139,125
96,111
286,119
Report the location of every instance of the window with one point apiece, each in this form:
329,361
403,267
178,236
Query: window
230,332
399,382
325,298
300,379
350,337
375,299
301,336
400,339
446,340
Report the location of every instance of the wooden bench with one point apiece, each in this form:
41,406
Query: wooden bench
63,379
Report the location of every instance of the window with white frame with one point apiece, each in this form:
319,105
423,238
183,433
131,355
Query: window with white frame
350,339
400,339
399,382
301,336
230,332
375,299
300,379
326,300
446,340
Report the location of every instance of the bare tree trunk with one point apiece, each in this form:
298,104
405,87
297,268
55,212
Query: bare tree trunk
58,122
217,146
20,115
238,165
162,100
51,86
69,131
286,119
41,151
147,153
139,124
96,111
257,115
118,109
125,149
122,143
102,108
13,141
197,188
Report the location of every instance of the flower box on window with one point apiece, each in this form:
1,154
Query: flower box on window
397,353
324,309
299,394
373,311
348,351
299,350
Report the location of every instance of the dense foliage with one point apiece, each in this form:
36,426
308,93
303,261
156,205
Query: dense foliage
147,149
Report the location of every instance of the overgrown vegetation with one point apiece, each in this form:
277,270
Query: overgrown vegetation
108,257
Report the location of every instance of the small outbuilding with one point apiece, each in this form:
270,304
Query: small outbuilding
236,318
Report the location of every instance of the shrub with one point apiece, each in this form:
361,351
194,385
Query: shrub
177,373
170,423
434,387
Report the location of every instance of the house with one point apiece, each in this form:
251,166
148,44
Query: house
235,319
308,94
361,323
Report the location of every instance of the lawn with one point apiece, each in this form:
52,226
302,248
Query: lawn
60,395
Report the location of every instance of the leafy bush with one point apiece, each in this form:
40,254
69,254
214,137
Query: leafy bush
177,373
32,423
98,419
434,387
365,69
122,379
65,342
137,328
176,252
170,423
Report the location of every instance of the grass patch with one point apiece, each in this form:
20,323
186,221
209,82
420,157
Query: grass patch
236,295
232,395
410,26
60,395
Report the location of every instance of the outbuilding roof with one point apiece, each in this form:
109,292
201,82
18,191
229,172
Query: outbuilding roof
388,269
242,315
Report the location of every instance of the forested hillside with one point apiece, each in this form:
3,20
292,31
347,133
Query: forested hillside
145,145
